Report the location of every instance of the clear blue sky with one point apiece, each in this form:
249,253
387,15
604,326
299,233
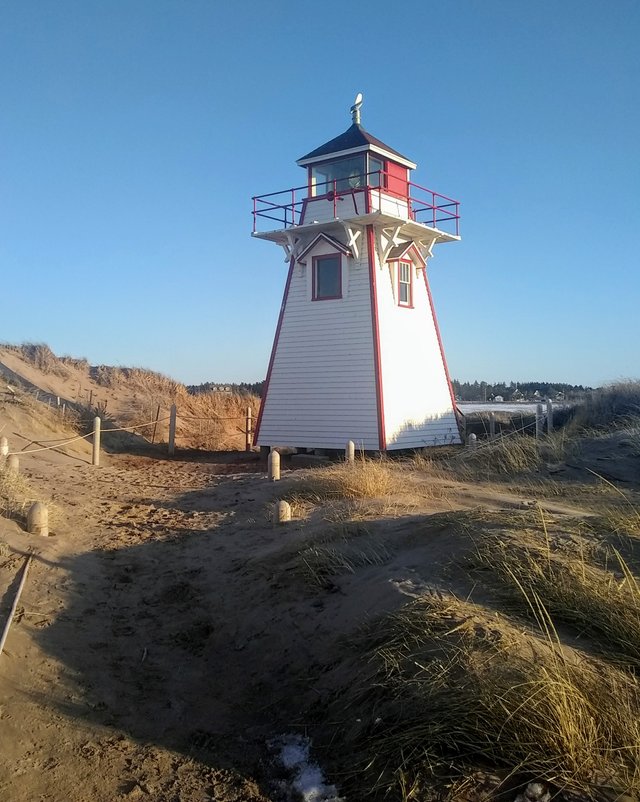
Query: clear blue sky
133,134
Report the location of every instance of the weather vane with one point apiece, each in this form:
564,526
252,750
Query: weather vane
355,109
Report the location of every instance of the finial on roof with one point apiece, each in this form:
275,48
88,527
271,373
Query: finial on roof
355,109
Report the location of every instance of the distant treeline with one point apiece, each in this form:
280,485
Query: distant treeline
244,388
485,391
464,391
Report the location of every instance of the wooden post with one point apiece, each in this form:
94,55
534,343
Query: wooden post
172,430
248,432
273,466
13,465
539,421
283,512
91,398
492,426
38,519
350,452
4,446
463,426
472,440
155,425
14,606
549,416
95,454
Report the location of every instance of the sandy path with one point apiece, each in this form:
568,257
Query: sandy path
126,674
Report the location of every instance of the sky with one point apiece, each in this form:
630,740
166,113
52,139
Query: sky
133,134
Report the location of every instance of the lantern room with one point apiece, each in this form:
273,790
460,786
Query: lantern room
353,161
351,176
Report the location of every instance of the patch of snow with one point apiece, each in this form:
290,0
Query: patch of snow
308,779
534,792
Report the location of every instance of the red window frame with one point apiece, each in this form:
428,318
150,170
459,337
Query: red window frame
314,281
406,304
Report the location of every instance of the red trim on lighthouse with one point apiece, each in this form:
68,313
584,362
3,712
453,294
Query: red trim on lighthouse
382,441
273,351
444,360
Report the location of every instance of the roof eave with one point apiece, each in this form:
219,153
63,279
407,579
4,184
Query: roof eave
360,149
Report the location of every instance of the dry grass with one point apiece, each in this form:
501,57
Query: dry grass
511,457
16,494
214,421
455,684
614,406
325,561
40,356
504,457
211,421
602,603
365,479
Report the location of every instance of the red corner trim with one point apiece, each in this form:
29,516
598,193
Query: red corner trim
273,351
444,360
376,337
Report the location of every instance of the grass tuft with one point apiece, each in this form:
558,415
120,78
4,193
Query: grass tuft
454,684
602,603
15,494
365,479
614,406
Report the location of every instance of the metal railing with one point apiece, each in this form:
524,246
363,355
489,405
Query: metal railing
423,205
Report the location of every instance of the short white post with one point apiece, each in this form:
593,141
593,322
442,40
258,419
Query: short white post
172,430
539,421
283,512
472,440
247,428
492,426
549,416
273,466
4,447
350,452
95,455
13,465
38,519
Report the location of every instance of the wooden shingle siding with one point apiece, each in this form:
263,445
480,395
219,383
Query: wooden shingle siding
322,387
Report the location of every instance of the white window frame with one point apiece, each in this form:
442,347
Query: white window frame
405,279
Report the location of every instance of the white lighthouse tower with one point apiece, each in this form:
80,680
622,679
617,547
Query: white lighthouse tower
357,354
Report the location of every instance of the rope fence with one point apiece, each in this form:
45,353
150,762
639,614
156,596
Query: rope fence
471,441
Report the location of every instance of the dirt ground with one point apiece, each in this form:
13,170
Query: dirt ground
169,630
165,635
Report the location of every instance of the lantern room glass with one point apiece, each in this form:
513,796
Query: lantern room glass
338,176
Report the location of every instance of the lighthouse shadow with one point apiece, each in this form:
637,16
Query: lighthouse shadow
153,644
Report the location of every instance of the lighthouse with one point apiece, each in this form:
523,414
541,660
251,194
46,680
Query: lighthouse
357,353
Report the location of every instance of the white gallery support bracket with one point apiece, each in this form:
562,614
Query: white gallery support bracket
290,246
392,236
353,235
426,247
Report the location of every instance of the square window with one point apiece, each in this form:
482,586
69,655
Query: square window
404,284
327,277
